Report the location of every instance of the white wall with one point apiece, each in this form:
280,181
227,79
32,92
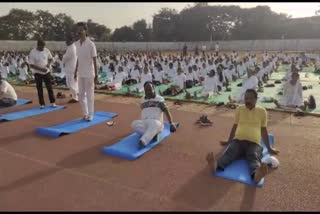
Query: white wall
240,45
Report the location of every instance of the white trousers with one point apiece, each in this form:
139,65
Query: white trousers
147,128
72,84
86,95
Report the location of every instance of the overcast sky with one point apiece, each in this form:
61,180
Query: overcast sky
115,15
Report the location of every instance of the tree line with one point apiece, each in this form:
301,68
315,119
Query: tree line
199,22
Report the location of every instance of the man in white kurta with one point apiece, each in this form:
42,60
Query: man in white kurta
69,65
86,69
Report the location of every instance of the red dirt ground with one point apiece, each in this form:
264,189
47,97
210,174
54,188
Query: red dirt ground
71,173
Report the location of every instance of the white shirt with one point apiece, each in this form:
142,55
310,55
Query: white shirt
85,53
70,60
4,71
179,80
210,84
152,111
23,73
158,76
135,74
7,90
146,77
40,59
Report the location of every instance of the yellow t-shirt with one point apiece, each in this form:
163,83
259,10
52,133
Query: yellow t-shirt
249,123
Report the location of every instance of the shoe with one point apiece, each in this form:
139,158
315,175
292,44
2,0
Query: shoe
53,105
73,101
42,107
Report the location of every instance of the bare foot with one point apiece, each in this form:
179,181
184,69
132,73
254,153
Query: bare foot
212,163
261,172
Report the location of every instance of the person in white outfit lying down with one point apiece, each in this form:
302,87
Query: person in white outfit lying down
151,124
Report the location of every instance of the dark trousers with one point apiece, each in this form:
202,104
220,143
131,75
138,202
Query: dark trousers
6,102
238,149
46,78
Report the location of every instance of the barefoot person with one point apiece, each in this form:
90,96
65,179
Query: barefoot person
151,124
87,71
292,94
69,62
245,137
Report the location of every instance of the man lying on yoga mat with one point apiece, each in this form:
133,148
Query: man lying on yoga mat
8,96
151,124
245,137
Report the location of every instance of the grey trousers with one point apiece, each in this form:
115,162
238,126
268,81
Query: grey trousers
6,102
238,149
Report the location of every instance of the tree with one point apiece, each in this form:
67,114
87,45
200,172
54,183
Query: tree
61,26
141,30
98,32
18,25
124,34
165,24
44,23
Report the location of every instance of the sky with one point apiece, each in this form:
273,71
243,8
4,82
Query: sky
115,15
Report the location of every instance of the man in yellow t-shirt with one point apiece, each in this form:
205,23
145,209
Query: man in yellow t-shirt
244,140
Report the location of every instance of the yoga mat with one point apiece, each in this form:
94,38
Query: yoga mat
28,113
20,102
128,148
239,169
74,125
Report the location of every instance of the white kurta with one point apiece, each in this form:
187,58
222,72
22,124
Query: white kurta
292,94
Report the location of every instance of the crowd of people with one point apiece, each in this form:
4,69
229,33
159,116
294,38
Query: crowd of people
83,69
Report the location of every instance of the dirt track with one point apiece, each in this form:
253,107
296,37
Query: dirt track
70,173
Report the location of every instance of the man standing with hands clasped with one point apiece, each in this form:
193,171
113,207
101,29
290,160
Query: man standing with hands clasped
40,62
86,71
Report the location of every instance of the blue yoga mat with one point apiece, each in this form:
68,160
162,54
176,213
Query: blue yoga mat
28,113
239,169
128,148
20,102
74,125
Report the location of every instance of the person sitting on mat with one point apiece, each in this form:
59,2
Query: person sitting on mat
210,86
116,84
250,83
292,94
178,85
190,78
158,75
145,77
8,96
151,124
134,76
245,137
